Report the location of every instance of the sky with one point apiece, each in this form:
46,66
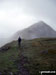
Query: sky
16,15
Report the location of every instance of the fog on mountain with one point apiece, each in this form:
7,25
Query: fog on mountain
37,30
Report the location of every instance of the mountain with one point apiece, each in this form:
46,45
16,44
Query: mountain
37,30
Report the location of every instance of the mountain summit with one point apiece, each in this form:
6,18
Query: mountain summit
37,30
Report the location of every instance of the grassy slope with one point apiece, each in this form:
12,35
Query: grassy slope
35,50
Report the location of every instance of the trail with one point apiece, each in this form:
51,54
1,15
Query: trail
22,61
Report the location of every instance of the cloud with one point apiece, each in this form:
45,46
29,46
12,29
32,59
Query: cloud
43,9
13,18
18,14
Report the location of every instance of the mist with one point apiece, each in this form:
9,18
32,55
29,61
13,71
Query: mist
19,14
16,15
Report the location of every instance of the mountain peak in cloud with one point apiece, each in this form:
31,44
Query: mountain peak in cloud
37,30
41,23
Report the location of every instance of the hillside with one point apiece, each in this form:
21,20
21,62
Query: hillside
35,55
37,30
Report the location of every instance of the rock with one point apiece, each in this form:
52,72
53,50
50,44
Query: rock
10,73
44,52
5,48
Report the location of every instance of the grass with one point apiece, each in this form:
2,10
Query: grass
7,58
34,50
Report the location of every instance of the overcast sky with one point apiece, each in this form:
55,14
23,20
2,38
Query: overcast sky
18,14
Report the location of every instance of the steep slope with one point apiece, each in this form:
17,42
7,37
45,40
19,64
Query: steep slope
38,30
39,55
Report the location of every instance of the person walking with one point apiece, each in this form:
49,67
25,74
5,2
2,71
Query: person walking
19,41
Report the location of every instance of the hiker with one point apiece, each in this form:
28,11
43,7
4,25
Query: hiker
19,41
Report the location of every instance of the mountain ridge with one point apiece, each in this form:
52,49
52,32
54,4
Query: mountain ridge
37,30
